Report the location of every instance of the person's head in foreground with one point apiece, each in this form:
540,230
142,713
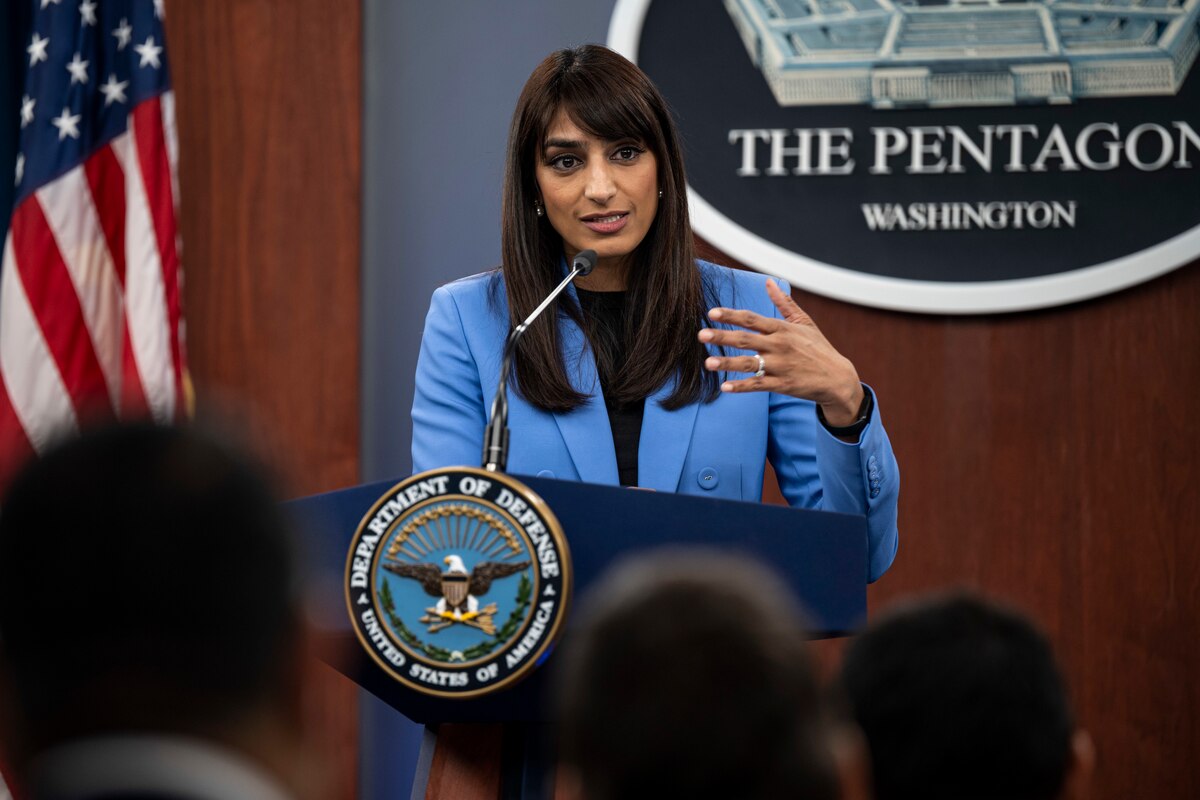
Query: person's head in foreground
960,699
688,675
149,625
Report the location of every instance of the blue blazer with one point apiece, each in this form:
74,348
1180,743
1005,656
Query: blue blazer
716,449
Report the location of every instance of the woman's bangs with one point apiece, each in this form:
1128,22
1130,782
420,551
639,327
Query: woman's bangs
607,113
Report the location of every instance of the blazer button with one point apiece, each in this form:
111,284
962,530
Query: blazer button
546,473
708,478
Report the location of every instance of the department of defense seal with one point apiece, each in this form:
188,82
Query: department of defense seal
458,581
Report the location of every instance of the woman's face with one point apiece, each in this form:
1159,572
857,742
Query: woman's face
598,194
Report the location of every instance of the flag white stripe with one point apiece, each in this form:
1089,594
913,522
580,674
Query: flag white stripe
35,388
71,213
145,294
171,136
171,139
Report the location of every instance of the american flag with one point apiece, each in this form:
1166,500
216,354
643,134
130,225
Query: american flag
91,325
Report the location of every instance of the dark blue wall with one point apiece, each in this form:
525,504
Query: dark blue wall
440,85
440,89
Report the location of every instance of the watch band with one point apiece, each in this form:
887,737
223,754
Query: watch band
856,427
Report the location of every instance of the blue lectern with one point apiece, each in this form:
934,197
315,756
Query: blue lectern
822,555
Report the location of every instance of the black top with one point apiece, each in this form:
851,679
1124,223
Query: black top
604,320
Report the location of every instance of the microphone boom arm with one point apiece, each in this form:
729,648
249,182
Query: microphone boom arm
495,436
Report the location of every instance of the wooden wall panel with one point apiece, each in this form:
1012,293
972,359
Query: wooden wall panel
269,108
1049,459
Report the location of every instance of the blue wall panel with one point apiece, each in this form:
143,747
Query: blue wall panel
441,80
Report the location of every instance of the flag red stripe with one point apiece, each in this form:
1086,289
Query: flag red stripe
106,179
107,182
15,448
56,306
156,175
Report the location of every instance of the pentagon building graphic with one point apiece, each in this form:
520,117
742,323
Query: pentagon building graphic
896,53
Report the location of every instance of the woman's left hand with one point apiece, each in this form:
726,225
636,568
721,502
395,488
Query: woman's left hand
796,358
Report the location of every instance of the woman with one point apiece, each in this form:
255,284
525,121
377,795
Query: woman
641,379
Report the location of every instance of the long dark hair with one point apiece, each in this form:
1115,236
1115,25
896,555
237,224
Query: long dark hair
610,98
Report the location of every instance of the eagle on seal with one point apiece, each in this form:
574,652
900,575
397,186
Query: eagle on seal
456,589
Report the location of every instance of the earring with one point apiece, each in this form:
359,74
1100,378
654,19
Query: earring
660,194
537,209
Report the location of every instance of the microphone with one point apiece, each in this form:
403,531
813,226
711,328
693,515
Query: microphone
495,436
583,263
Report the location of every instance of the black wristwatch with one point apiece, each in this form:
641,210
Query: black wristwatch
860,422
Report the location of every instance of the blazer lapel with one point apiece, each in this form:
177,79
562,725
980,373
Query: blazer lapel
585,430
666,437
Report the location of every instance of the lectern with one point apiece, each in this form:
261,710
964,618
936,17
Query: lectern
822,555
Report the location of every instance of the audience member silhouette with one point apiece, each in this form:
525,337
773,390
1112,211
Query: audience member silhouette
150,636
960,699
688,675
